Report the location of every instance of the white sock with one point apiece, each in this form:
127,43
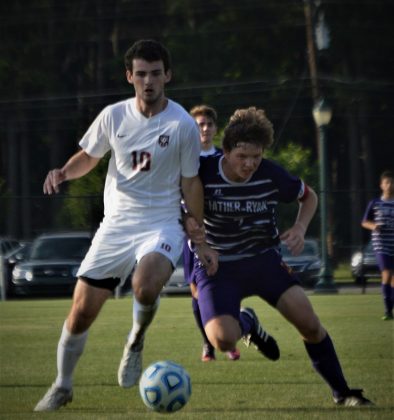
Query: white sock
69,349
142,317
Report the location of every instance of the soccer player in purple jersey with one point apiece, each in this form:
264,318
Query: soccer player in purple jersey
242,191
379,218
206,119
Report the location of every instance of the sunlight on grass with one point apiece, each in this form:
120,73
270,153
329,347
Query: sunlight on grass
252,388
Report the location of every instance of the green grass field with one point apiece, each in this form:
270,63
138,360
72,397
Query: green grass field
251,388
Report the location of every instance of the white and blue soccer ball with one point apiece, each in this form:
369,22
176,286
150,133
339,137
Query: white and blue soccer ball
165,387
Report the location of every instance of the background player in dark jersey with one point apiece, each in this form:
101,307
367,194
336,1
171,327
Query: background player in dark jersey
379,218
206,119
242,191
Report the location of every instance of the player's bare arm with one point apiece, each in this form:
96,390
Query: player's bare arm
194,231
370,225
193,195
294,237
77,166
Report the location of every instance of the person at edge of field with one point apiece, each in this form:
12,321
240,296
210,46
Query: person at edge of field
241,192
206,119
155,148
379,218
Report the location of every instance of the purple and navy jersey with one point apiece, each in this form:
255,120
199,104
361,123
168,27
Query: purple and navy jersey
240,218
382,212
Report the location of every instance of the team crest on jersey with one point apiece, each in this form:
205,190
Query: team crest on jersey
164,140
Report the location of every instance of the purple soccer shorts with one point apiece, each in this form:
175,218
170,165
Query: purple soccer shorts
385,262
264,275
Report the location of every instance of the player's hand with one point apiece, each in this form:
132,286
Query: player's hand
194,231
294,239
378,226
52,181
208,257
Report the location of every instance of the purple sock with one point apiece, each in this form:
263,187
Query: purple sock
325,361
387,298
392,298
197,317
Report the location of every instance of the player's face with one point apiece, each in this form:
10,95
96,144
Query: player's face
242,162
207,130
149,80
387,187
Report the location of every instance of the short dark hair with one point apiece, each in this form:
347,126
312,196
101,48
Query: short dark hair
249,125
206,111
148,50
387,174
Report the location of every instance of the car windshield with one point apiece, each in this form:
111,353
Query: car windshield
59,248
309,249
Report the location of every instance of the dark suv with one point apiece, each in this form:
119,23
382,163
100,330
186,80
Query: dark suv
52,265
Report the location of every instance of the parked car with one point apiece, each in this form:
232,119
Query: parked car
8,245
306,265
52,264
10,259
364,264
177,284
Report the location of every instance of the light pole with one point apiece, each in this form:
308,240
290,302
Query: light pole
322,115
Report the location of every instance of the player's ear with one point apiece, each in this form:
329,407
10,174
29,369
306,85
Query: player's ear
168,75
129,76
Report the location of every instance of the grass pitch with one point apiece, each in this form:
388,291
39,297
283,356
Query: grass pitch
251,388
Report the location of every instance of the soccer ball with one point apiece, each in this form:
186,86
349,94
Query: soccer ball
165,387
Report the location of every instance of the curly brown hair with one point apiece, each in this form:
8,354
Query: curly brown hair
248,125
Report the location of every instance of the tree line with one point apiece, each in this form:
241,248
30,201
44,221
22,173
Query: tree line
62,62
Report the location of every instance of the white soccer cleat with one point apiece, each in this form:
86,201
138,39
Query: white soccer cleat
54,399
130,368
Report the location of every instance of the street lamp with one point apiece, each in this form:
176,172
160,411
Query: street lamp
322,114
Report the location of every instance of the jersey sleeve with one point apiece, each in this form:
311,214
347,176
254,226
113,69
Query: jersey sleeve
290,187
190,149
369,213
95,141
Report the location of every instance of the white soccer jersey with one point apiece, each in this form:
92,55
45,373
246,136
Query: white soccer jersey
148,158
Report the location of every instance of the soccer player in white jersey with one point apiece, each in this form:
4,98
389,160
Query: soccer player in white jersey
379,219
155,147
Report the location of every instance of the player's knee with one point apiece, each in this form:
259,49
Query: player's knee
223,340
145,295
223,345
79,321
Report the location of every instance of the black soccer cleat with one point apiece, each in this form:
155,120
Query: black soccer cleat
263,342
353,398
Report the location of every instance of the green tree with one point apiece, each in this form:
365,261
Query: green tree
298,161
83,204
